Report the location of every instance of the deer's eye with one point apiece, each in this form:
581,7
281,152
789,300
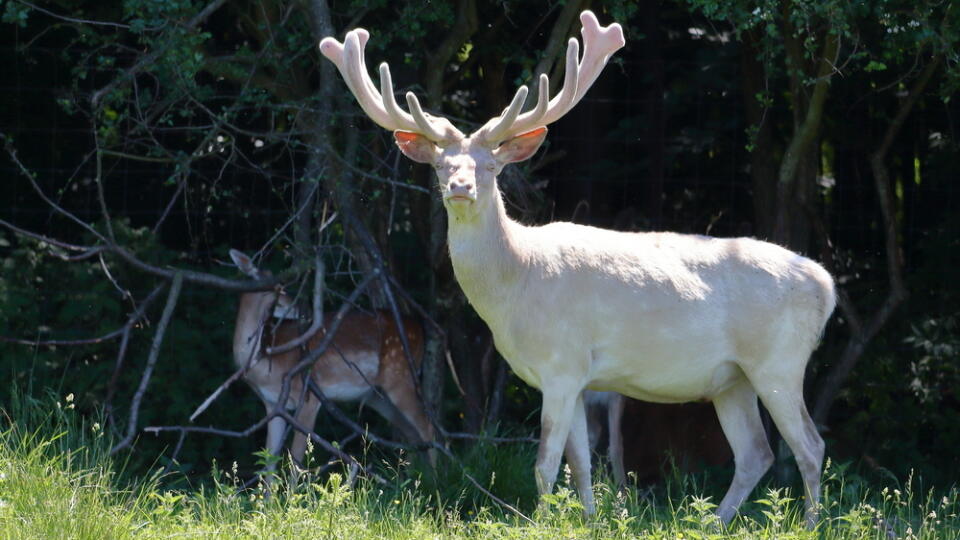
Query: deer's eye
491,166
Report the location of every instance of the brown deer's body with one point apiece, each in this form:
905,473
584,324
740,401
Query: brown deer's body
365,362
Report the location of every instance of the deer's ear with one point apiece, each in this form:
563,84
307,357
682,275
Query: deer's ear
520,147
244,263
416,147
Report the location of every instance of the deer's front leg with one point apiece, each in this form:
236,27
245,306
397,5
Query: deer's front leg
578,455
556,417
276,429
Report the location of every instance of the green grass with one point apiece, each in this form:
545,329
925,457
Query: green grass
56,481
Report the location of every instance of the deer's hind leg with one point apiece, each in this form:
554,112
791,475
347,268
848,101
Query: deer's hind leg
739,416
789,413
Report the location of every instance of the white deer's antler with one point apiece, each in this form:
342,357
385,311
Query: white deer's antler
381,106
598,44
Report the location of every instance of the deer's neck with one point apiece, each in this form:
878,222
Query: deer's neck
251,315
486,256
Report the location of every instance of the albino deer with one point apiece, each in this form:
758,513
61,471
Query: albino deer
364,361
660,317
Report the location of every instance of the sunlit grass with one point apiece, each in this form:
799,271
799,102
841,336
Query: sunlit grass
56,481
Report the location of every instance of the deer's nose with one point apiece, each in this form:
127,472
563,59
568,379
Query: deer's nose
462,186
461,189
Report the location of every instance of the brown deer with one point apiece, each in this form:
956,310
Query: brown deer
364,362
660,317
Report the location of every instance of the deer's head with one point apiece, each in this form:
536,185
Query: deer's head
277,302
467,166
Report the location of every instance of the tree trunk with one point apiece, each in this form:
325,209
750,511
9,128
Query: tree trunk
798,155
443,293
763,159
860,333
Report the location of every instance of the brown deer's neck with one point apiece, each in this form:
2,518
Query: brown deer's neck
248,330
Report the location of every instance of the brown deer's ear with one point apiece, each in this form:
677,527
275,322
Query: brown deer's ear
244,263
520,147
416,147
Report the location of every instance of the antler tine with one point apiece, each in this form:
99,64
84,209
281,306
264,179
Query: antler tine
401,119
348,57
567,98
546,111
599,44
362,37
380,105
427,127
509,115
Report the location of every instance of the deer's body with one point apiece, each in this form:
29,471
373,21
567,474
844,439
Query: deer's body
365,361
656,316
366,354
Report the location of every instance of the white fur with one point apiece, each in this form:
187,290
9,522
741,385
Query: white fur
660,317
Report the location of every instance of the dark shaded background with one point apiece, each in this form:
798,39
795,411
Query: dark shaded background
659,143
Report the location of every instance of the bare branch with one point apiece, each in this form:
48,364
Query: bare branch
134,318
151,363
31,177
308,361
317,323
46,239
181,185
109,336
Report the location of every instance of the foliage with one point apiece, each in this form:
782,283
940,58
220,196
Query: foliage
36,304
53,489
226,111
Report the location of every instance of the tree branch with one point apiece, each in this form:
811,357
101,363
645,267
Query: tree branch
151,363
122,352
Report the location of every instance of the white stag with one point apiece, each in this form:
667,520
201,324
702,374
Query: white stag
364,361
659,317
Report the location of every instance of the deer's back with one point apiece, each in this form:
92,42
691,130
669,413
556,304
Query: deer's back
659,316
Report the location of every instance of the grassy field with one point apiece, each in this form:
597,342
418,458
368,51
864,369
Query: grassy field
56,481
